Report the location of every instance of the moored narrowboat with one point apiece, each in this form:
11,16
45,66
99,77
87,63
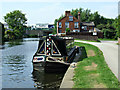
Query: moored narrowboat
54,53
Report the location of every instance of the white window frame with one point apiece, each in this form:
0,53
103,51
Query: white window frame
60,25
66,24
76,25
85,28
70,18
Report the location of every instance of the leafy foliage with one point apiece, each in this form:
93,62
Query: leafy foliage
67,29
55,24
16,20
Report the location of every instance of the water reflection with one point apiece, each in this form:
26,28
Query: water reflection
15,63
18,71
14,66
14,43
46,80
11,44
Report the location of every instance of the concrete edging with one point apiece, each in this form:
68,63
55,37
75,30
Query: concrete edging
67,81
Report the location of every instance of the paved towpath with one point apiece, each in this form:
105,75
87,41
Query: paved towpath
110,52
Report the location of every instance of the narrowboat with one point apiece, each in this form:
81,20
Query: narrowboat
54,54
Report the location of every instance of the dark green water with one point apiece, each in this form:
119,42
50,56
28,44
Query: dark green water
17,67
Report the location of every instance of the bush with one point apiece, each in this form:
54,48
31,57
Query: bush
67,29
100,26
109,34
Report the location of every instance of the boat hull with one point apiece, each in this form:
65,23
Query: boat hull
51,67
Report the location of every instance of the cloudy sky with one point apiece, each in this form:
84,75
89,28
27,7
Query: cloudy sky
46,11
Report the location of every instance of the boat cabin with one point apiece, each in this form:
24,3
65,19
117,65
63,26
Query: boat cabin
53,48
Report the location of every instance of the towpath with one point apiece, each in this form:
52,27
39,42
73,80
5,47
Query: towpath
110,52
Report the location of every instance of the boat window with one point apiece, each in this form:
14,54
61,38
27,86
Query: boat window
42,49
55,51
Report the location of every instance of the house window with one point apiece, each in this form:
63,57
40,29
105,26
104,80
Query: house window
66,24
76,30
59,31
60,25
84,27
70,18
76,25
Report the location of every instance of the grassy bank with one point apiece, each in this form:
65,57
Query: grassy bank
105,39
92,71
89,40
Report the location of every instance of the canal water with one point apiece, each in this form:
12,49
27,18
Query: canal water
17,67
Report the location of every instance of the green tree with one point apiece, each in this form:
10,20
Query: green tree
9,35
55,24
108,33
16,21
67,29
100,26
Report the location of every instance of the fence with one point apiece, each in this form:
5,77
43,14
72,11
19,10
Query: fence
85,35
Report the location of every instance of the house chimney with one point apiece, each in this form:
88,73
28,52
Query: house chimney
67,13
79,17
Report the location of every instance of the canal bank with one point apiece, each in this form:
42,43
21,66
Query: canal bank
91,72
67,81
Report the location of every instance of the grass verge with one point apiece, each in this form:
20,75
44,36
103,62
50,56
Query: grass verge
92,71
117,43
105,39
89,40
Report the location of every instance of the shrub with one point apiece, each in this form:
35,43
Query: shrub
67,29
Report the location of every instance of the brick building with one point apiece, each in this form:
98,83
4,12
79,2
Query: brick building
74,24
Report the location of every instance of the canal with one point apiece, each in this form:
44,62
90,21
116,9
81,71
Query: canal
17,67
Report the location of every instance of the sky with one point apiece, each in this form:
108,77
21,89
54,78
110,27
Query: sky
46,11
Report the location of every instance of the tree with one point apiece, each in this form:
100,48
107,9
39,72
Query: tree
100,26
16,21
9,35
55,24
108,33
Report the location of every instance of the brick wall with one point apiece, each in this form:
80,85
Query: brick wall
83,37
71,24
39,32
99,34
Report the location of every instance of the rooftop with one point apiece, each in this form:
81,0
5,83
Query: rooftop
88,23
